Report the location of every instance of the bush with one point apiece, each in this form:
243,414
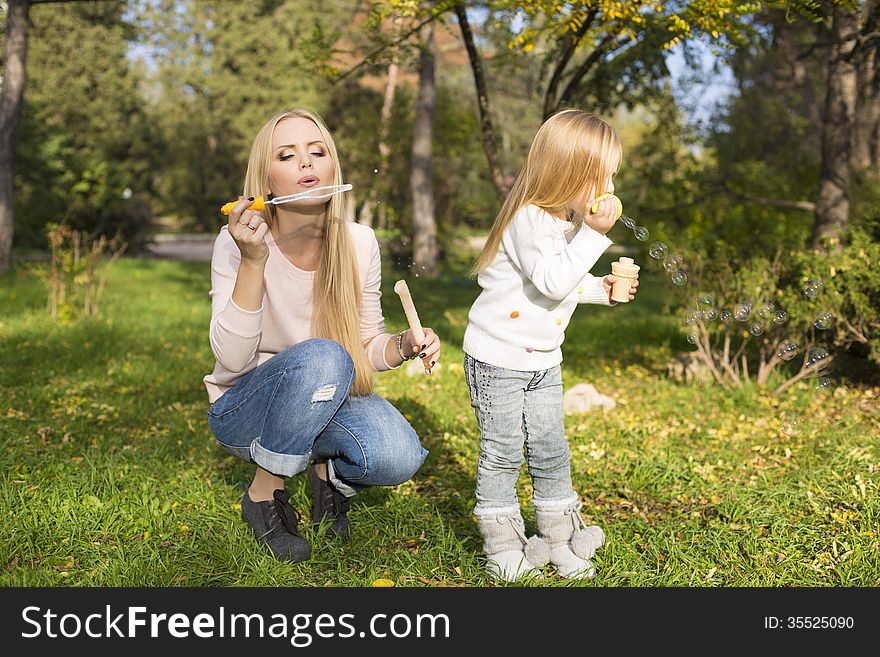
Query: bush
744,317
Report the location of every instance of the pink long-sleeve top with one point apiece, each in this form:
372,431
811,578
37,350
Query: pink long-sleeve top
241,339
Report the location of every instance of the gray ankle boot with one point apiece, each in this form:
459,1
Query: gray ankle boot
509,553
570,540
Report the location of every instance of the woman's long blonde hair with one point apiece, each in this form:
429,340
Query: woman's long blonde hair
336,293
572,150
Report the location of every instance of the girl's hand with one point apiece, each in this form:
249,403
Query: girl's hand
249,232
608,284
428,350
604,218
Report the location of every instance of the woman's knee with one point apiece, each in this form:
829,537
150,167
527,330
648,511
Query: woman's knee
326,359
399,460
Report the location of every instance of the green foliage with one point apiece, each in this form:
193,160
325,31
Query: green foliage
222,70
852,292
77,274
84,136
846,295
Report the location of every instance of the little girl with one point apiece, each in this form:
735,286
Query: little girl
533,270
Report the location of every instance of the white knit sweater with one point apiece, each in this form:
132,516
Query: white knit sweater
531,289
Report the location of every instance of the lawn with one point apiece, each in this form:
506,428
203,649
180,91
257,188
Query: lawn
111,476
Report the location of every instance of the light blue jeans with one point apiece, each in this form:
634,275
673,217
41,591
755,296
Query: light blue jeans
517,410
296,407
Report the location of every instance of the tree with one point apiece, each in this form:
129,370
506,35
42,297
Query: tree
422,181
486,126
85,136
221,70
805,116
852,35
10,110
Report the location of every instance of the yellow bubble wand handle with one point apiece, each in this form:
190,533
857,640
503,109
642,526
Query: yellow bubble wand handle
595,207
258,204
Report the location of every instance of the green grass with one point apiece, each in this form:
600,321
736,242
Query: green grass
111,476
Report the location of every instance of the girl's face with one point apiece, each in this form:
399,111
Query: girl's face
300,160
585,199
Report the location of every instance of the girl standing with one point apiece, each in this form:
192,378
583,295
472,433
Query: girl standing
534,270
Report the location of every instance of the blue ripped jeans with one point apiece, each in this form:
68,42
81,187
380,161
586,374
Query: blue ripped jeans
517,410
296,407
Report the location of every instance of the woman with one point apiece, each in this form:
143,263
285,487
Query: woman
297,331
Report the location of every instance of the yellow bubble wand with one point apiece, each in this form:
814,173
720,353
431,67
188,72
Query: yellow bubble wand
629,223
260,202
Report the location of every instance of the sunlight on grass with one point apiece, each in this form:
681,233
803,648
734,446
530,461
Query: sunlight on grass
112,477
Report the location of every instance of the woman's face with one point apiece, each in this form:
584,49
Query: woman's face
300,160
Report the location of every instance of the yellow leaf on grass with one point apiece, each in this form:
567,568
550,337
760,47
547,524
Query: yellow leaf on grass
383,583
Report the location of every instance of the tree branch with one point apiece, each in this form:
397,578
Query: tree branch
809,206
571,42
803,373
582,70
406,35
705,350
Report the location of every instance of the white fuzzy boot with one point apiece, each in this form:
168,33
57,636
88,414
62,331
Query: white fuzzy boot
570,540
506,546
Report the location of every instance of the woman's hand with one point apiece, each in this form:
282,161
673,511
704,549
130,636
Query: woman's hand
608,284
249,232
605,216
428,349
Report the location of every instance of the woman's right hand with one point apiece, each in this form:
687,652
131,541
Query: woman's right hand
248,229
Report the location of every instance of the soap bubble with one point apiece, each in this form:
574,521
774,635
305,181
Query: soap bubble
766,310
756,329
791,424
726,316
641,233
824,320
787,350
780,317
705,301
375,170
818,358
812,288
823,384
743,311
692,318
692,338
711,314
672,262
657,250
629,223
679,277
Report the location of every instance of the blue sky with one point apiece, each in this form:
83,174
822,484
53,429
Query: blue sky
700,92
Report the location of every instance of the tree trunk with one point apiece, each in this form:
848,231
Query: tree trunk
832,206
421,181
366,216
486,127
866,146
10,110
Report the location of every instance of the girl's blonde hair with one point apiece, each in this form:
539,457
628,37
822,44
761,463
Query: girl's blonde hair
336,293
572,150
